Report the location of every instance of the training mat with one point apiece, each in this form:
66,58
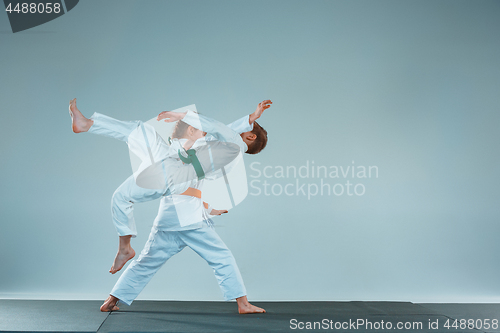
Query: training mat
180,316
50,316
153,316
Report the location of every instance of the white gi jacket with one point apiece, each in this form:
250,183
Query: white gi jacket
183,212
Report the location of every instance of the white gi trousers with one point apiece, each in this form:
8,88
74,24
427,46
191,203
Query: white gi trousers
162,245
122,202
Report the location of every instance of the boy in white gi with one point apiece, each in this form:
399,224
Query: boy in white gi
182,219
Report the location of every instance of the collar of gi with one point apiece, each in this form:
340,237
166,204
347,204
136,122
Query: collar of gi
192,159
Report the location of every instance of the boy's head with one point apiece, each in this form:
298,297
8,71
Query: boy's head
256,139
185,131
180,130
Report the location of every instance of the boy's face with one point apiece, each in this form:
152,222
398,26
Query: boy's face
195,134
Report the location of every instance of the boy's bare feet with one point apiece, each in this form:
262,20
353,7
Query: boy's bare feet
110,304
78,121
123,255
245,307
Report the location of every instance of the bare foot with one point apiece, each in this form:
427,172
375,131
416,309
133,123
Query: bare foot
245,307
121,259
78,121
110,304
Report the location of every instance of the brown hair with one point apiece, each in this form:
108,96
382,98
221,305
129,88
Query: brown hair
260,141
179,130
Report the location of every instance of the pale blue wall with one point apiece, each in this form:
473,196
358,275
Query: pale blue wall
411,87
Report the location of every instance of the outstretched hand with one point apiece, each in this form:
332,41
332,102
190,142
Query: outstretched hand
260,110
218,211
171,116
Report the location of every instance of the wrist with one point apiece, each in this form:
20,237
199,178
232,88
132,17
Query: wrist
252,118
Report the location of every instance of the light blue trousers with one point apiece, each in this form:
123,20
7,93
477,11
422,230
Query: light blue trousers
129,193
162,245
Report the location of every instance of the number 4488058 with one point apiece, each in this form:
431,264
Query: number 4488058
33,8
471,324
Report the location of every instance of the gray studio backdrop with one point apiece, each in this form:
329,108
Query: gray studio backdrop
403,93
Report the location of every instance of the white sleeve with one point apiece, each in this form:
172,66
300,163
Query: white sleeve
209,209
215,128
241,125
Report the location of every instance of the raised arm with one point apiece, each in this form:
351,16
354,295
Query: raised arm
241,125
245,124
215,128
221,132
260,110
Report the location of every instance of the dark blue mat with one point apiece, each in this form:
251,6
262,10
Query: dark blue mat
50,316
174,316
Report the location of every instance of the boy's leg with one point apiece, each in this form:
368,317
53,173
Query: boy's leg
207,244
154,169
122,211
78,121
106,125
128,193
245,307
124,254
122,205
160,246
142,139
